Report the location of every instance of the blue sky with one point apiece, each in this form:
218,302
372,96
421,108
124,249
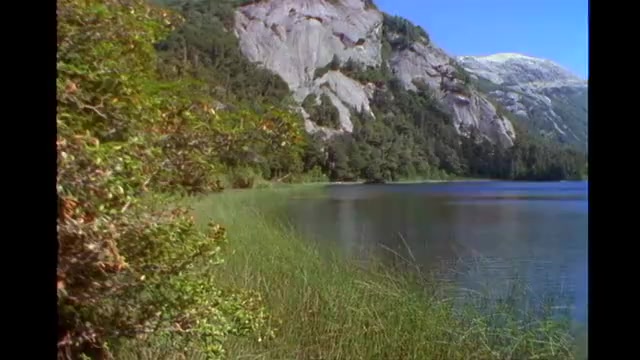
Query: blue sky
552,29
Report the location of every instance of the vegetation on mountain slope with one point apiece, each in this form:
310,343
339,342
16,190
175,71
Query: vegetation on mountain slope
405,32
204,47
322,111
415,137
412,137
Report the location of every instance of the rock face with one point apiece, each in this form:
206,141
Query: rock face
429,64
293,38
552,100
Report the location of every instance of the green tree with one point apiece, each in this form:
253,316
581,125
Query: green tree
128,266
324,114
335,63
205,47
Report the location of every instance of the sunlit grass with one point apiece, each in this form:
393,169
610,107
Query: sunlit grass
326,306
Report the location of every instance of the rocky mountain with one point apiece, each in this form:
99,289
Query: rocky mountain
548,98
380,101
307,43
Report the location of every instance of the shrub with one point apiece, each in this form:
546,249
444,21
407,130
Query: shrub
243,178
128,267
323,114
370,5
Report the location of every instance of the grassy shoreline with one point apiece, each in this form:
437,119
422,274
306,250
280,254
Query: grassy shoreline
326,306
279,185
263,184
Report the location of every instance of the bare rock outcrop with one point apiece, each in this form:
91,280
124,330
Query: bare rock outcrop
432,66
294,38
549,97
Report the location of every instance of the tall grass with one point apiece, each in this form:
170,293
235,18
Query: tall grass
324,305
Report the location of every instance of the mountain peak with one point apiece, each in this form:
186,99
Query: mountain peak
550,97
514,68
502,57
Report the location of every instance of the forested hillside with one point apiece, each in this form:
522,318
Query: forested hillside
411,137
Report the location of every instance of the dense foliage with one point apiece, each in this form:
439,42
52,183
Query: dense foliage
404,32
322,111
412,137
205,47
129,266
366,74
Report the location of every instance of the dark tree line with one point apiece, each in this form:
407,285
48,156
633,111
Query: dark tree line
413,137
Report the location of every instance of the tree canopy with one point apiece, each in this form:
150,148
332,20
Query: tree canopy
126,134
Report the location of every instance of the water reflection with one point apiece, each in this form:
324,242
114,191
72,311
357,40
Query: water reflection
479,235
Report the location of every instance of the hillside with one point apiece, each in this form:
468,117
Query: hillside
378,99
294,38
549,99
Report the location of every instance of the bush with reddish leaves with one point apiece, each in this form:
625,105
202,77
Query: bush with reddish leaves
129,266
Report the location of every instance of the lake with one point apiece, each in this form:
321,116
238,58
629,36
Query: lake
478,235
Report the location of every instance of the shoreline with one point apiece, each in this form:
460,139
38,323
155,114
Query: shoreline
431,181
311,294
328,305
274,184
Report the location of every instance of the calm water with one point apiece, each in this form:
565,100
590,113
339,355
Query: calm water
478,235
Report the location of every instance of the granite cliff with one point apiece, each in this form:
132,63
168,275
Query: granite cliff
299,40
548,98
